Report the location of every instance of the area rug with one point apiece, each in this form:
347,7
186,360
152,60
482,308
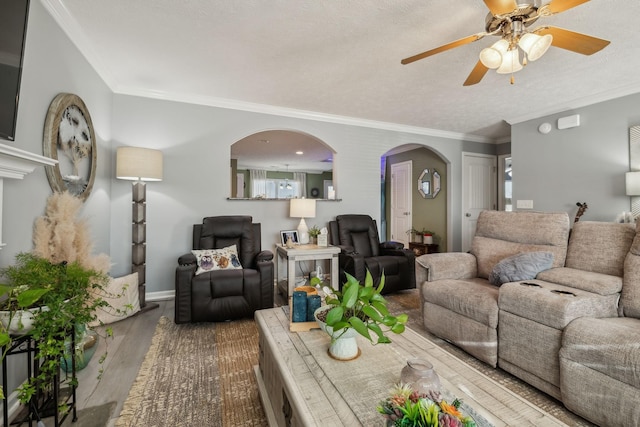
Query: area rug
197,375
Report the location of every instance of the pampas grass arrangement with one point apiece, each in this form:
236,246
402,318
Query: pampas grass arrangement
60,235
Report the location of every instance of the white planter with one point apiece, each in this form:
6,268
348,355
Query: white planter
428,240
19,322
344,345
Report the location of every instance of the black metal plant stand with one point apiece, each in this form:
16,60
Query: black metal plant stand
45,402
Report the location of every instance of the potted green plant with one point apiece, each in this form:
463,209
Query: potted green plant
62,274
64,295
415,235
428,236
313,233
357,309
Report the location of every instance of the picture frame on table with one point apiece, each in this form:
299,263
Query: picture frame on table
285,234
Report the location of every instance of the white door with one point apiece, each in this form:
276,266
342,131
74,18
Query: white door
401,201
479,187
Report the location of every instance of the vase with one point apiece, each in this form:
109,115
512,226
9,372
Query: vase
20,322
86,346
420,375
344,345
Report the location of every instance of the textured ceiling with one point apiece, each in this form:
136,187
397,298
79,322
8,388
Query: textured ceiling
342,58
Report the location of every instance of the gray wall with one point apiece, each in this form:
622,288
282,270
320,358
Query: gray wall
196,142
581,164
52,65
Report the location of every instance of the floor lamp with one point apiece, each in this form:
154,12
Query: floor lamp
139,165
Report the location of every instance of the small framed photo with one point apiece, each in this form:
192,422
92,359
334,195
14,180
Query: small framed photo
286,234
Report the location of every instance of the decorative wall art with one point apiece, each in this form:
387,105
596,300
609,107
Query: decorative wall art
69,138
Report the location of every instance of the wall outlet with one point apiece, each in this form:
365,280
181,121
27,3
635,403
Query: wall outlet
524,204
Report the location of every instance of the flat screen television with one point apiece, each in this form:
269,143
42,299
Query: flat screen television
13,31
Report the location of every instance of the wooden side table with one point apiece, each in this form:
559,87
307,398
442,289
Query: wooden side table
304,253
424,248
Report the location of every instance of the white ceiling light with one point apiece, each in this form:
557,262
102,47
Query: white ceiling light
534,45
491,57
510,62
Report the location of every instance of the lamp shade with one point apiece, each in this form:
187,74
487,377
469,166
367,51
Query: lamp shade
135,163
302,208
491,57
632,183
534,45
510,62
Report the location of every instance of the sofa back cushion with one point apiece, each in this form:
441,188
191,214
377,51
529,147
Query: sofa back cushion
630,300
600,247
501,234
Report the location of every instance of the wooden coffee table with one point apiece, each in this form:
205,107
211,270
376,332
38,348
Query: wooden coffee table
301,385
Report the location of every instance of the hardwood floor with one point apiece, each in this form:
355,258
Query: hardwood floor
126,351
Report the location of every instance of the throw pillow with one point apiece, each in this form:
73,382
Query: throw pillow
524,266
122,296
217,259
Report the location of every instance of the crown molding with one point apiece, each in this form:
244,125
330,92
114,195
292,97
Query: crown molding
295,113
70,26
577,103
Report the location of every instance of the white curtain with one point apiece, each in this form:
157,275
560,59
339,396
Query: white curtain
258,182
301,179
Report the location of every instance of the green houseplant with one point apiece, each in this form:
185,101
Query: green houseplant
358,308
65,294
313,232
61,274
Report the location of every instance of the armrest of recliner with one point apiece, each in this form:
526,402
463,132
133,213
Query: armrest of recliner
448,265
264,256
187,259
391,245
184,274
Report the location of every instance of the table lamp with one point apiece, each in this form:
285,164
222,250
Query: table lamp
139,165
302,208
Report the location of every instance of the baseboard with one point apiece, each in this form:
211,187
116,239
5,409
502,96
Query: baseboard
160,296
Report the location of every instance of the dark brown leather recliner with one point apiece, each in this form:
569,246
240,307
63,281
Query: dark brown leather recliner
361,250
219,295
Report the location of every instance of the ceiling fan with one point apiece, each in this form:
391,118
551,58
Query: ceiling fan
510,19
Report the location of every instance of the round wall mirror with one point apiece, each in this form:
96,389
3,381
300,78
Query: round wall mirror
429,183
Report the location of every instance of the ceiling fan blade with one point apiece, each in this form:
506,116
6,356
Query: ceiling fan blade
575,42
476,75
557,6
501,7
466,40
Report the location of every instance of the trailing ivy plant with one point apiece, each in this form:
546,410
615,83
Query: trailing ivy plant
71,294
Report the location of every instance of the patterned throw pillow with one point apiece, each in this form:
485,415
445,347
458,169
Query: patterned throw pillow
217,259
524,266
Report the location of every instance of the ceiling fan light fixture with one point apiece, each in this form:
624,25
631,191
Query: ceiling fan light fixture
534,45
510,62
491,57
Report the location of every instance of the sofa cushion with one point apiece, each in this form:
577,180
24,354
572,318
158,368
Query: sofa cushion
476,299
501,234
522,266
217,259
600,246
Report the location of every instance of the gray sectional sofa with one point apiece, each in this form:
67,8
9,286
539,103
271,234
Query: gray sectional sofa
555,305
